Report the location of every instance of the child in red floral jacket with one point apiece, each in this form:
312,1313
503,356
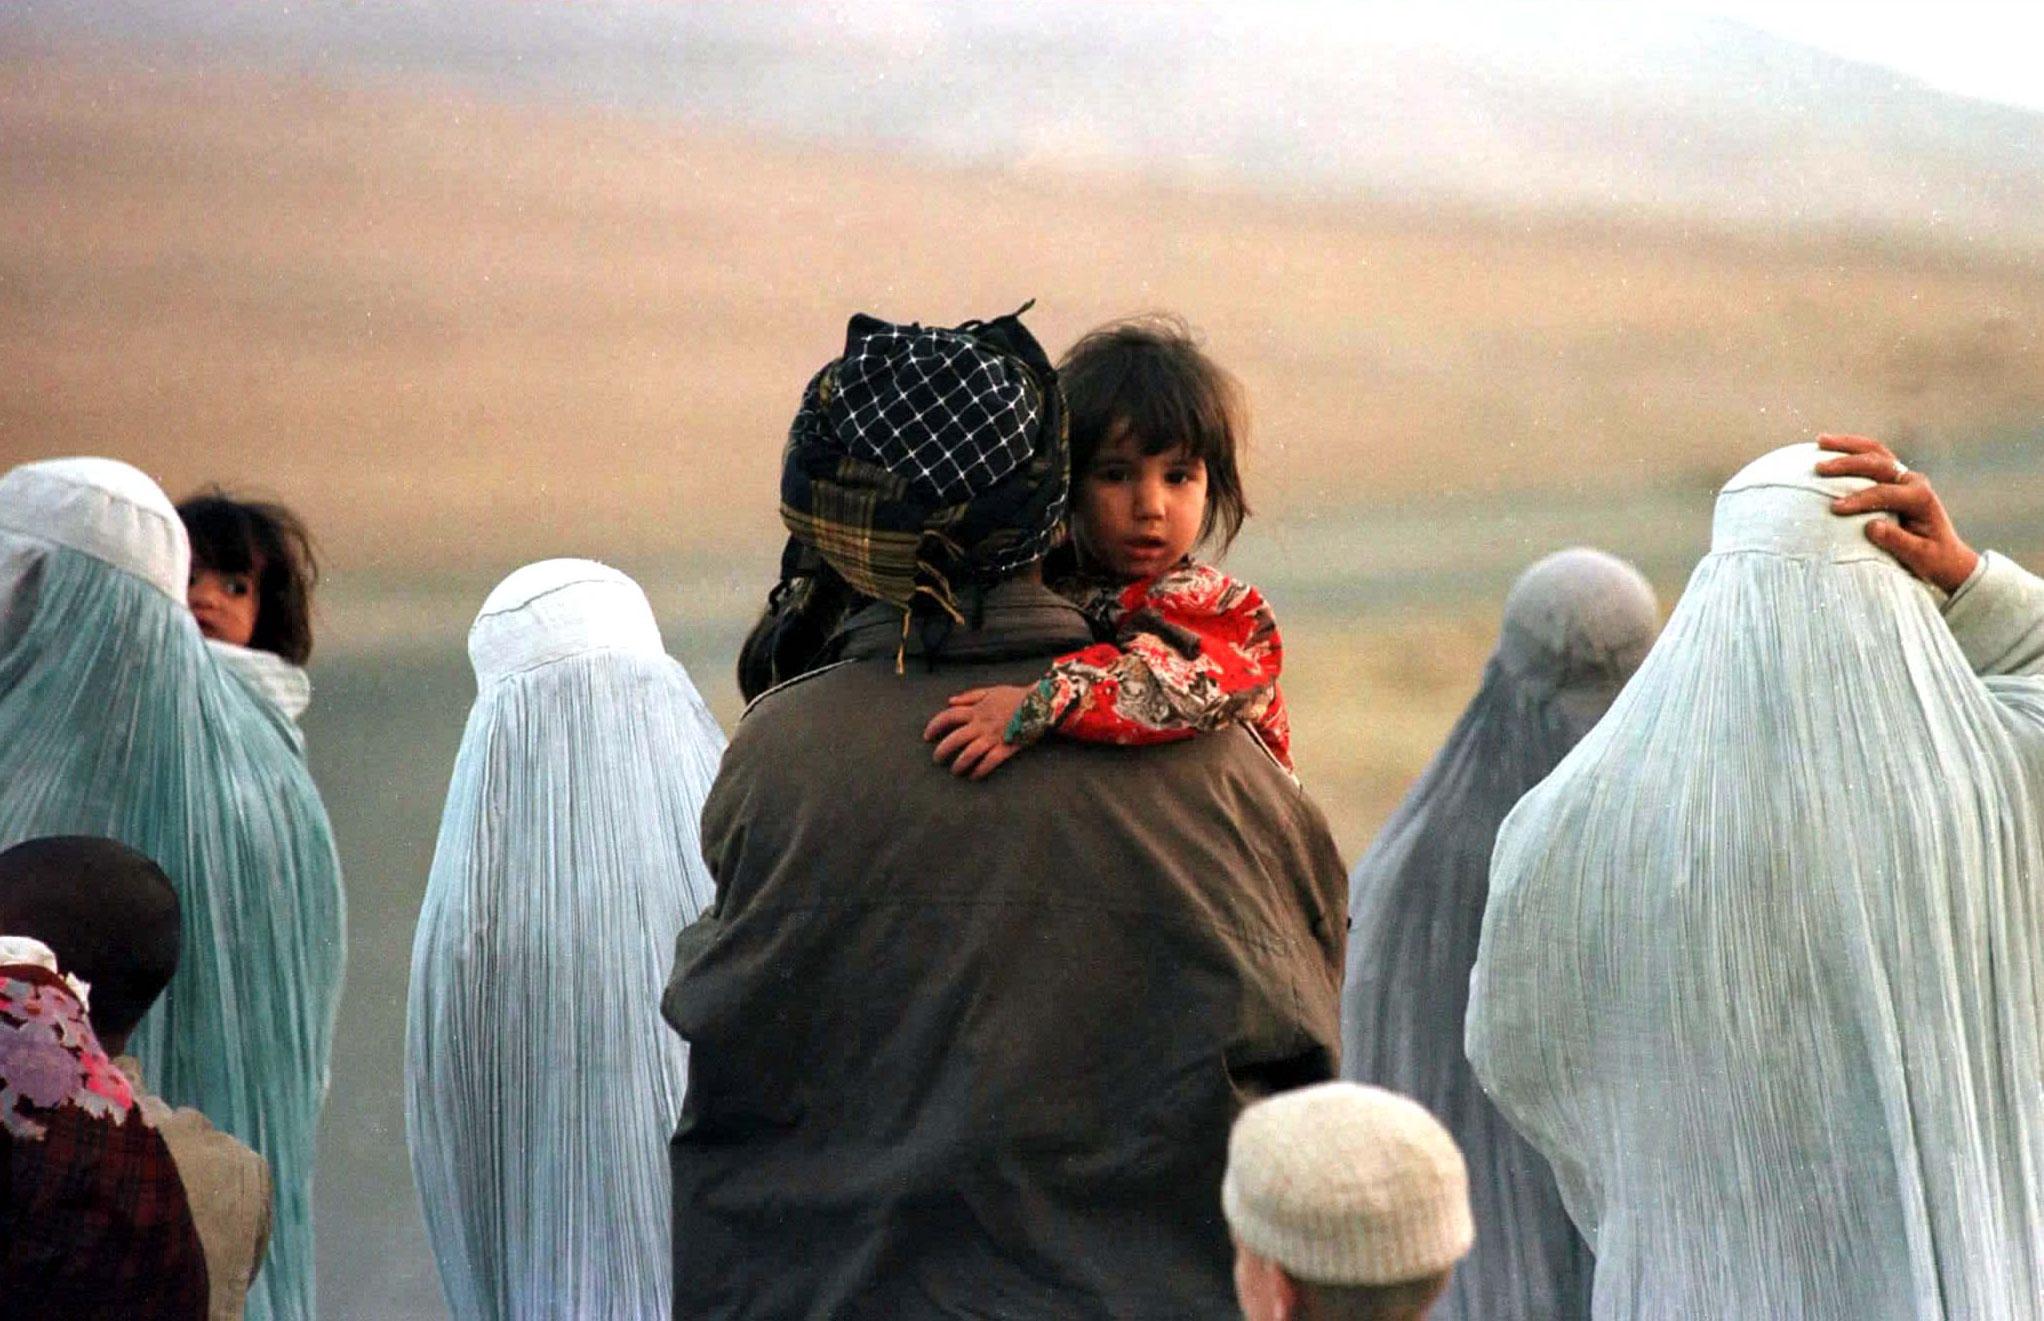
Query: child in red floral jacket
1154,428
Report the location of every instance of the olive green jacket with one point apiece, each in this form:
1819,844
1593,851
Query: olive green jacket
973,1049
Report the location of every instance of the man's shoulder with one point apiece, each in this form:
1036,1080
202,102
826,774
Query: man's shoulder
812,719
773,695
858,686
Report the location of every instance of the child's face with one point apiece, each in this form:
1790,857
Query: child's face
1138,514
224,604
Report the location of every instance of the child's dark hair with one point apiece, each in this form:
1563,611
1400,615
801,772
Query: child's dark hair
1147,376
270,543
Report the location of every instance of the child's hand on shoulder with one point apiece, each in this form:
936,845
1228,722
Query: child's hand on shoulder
971,732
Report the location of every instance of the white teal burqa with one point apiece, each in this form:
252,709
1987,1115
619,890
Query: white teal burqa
540,1084
1760,970
116,720
1576,625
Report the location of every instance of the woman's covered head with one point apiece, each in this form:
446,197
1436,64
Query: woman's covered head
552,610
104,508
253,573
1143,389
1778,505
1579,616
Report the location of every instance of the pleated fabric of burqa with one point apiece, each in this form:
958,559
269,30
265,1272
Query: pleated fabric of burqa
116,720
1759,974
540,1084
1576,625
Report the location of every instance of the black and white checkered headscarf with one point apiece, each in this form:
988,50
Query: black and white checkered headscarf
926,458
935,407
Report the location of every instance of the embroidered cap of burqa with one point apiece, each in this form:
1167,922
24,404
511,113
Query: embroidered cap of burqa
1576,625
1759,973
116,720
540,1083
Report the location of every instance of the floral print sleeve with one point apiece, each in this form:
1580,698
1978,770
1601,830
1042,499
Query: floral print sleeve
1193,651
49,1057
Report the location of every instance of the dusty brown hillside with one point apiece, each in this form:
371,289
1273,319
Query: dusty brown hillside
455,332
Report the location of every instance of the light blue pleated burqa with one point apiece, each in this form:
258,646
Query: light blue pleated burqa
1576,625
116,720
540,1084
1760,971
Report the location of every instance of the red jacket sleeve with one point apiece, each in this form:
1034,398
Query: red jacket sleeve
1194,651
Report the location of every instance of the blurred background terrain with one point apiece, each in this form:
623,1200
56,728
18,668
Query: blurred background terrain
480,282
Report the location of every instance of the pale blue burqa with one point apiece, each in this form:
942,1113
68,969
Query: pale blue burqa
1760,973
1576,625
116,720
540,1084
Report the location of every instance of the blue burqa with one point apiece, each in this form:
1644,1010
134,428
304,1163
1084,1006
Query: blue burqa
116,720
1760,974
540,1083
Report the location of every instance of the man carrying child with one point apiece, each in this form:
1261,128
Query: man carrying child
974,1048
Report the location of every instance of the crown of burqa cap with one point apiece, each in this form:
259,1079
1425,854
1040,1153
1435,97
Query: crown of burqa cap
1576,625
179,760
554,609
538,1074
104,508
1759,970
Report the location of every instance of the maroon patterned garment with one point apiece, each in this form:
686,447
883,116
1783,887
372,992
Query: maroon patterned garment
93,1217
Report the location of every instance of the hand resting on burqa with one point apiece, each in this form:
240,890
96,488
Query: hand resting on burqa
1921,536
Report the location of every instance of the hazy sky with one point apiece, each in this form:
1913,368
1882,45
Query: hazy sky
1984,48
1988,49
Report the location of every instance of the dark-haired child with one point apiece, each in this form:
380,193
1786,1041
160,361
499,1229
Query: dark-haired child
1155,429
251,585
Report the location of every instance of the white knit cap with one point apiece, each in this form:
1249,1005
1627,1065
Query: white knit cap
1345,1184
